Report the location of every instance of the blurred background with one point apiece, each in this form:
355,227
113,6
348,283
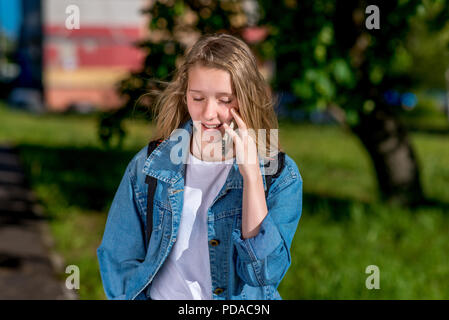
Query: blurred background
362,96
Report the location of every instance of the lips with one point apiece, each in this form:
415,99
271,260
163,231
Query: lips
211,126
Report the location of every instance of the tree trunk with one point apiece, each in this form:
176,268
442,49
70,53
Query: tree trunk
395,163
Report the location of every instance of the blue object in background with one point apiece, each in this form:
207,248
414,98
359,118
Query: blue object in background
409,100
392,98
10,17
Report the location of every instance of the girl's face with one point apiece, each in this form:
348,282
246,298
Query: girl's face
209,101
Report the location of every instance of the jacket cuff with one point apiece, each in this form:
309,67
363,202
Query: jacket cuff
260,246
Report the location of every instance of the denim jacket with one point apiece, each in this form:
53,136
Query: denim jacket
241,269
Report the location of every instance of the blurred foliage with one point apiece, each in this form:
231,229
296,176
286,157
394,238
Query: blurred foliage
325,54
427,115
429,48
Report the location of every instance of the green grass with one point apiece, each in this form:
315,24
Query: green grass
343,228
74,179
331,256
426,115
332,162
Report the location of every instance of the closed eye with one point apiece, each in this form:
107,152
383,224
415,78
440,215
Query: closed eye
201,99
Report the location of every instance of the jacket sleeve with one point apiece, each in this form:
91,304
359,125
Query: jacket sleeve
121,252
264,259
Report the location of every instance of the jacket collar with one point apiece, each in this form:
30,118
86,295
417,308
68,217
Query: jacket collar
160,166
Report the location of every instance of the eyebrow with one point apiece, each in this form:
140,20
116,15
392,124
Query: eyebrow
219,93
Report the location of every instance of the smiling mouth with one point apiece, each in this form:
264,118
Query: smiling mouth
210,127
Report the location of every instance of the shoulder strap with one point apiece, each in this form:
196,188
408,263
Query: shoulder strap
152,183
269,177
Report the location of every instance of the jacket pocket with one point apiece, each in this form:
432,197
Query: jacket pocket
161,214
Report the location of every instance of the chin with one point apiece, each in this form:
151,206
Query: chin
217,137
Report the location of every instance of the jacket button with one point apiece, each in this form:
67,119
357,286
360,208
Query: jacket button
214,242
218,290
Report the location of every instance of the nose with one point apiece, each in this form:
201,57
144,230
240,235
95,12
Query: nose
210,110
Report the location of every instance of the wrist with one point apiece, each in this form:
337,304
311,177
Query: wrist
253,177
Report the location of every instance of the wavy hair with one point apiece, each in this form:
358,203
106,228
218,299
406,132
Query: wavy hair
228,53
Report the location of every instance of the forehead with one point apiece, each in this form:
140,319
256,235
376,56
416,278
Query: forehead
209,80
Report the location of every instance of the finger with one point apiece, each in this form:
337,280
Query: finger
242,128
252,152
232,133
235,138
241,124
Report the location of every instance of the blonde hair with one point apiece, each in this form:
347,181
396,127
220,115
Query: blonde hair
228,53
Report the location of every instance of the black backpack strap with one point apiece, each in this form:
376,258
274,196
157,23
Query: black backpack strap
152,183
269,177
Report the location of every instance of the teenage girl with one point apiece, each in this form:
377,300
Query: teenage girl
218,233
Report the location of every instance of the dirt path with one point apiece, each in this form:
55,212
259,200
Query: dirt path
28,266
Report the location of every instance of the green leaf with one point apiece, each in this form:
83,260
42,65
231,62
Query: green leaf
324,85
376,75
162,71
368,106
302,89
402,60
179,8
267,49
352,117
320,53
342,73
326,35
321,104
311,75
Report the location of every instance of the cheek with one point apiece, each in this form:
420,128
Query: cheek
194,110
229,116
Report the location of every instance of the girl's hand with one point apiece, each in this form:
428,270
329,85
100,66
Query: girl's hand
245,149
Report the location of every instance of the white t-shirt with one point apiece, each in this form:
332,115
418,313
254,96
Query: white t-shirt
185,275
